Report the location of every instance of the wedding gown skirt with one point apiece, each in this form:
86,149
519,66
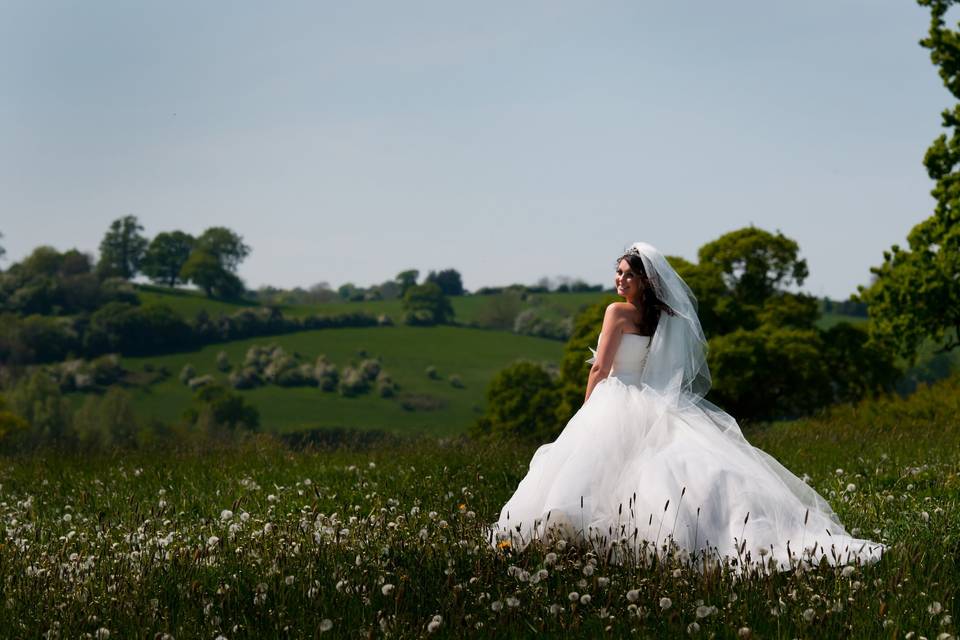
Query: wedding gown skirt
631,467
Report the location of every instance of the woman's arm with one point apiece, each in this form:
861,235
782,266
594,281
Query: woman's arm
609,341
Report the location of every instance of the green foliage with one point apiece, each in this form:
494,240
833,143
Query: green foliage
426,304
755,264
915,295
120,327
521,403
226,247
448,280
122,249
12,426
203,269
216,408
107,422
407,279
37,399
166,256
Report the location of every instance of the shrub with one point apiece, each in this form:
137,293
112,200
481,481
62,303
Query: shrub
352,382
370,368
521,402
223,361
245,378
325,374
187,373
431,372
200,381
386,387
215,408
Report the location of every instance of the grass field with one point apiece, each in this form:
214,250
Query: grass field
258,541
473,354
467,309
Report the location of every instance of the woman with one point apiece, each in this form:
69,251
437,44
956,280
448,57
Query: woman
647,465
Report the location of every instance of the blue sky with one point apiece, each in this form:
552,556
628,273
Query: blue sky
350,141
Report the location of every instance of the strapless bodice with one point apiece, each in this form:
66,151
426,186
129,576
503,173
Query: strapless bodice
630,357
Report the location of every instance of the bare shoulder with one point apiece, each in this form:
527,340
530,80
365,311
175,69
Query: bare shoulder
620,309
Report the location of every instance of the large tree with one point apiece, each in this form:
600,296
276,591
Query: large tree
166,255
224,245
448,280
204,270
915,294
122,248
407,279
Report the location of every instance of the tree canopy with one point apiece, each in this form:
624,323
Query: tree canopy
166,255
122,249
915,294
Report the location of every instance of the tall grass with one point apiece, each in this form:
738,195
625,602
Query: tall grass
259,541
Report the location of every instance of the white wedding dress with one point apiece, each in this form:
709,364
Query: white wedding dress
634,466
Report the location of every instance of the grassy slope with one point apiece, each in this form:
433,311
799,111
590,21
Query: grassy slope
475,355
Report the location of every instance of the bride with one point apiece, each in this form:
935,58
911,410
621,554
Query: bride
647,464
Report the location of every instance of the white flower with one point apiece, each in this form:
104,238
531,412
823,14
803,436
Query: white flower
588,570
809,614
585,598
602,582
561,545
102,633
633,595
226,514
550,559
267,528
851,487
496,606
555,609
325,625
386,589
703,611
743,632
288,580
935,608
573,596
665,603
693,628
67,518
271,498
212,541
244,516
848,571
923,514
677,573
839,472
512,602
434,624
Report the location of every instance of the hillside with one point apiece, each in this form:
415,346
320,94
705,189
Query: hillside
472,354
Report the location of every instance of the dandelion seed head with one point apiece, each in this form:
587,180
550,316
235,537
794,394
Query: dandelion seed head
325,625
665,603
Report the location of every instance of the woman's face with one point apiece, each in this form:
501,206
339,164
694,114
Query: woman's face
626,281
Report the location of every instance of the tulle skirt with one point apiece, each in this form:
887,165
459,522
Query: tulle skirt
635,473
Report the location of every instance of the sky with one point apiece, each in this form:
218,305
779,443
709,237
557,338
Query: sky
347,141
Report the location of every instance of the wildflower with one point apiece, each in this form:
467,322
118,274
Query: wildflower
851,487
603,582
573,596
677,573
839,472
225,515
325,625
288,580
923,515
808,615
665,603
244,516
848,571
743,632
212,541
588,570
271,498
386,589
550,559
503,544
67,518
512,602
555,609
102,633
703,611
693,628
496,606
267,528
585,599
935,608
561,545
434,624
633,595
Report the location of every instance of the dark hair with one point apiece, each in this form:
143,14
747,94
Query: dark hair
650,305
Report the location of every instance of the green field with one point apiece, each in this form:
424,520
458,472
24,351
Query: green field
467,309
473,354
257,541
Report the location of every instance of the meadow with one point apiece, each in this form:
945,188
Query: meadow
405,352
255,540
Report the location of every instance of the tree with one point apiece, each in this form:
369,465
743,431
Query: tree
448,280
166,255
915,294
122,248
407,279
755,264
3,251
425,304
224,245
204,270
521,401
